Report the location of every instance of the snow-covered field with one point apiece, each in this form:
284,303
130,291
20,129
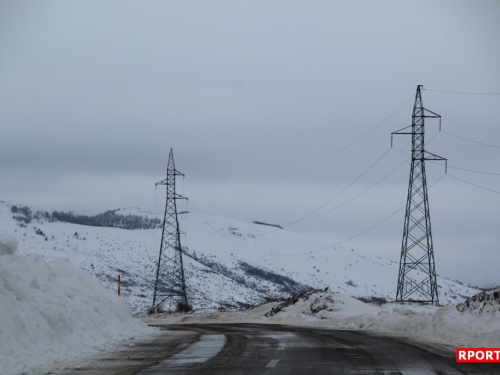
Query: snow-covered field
477,324
52,311
227,263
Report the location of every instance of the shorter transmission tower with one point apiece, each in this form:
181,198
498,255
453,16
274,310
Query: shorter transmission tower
170,282
417,272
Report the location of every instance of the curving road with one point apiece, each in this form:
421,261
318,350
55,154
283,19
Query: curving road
272,349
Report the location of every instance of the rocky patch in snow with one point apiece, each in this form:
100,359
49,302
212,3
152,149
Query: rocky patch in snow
487,302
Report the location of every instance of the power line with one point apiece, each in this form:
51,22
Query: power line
221,235
470,140
465,93
206,230
256,252
347,187
336,244
212,204
330,246
364,231
452,167
356,196
474,171
308,252
470,183
375,225
340,205
200,215
303,218
303,169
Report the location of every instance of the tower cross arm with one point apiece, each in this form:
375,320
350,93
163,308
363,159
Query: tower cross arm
177,173
400,131
435,116
434,113
162,182
432,156
167,182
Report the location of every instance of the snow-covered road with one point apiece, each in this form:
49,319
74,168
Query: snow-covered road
274,349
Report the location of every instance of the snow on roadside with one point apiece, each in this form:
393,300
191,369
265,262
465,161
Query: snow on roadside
324,309
50,311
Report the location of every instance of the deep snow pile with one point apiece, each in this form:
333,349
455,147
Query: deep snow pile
51,311
324,309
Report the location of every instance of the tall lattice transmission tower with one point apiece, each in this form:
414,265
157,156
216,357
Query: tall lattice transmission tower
170,285
417,271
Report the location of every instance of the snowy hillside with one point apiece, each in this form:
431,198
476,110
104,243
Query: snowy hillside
228,262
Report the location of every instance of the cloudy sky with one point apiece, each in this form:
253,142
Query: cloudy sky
259,100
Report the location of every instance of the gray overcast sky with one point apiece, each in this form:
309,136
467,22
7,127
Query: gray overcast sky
93,94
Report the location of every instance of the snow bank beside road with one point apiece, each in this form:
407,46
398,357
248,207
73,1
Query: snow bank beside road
51,311
324,309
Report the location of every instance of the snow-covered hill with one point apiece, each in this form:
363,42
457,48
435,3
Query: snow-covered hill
227,262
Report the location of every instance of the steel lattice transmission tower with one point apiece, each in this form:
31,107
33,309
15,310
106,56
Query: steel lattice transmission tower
170,282
417,272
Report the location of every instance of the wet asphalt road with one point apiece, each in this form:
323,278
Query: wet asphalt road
272,349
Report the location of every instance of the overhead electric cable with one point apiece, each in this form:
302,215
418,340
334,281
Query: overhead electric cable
305,218
356,196
344,189
221,235
284,225
212,204
362,232
308,252
206,230
376,183
470,183
453,167
341,204
470,140
474,171
311,212
465,93
303,169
